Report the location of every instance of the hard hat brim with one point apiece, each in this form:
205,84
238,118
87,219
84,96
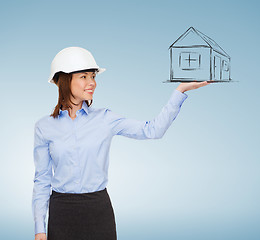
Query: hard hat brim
50,80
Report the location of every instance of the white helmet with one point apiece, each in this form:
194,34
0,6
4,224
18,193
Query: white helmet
73,59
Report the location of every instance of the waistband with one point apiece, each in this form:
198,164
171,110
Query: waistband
80,195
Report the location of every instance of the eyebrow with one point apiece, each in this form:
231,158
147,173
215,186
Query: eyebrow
89,72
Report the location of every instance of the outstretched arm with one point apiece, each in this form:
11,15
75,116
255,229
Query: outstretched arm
157,127
153,129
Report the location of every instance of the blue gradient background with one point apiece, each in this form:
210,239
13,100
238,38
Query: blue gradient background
201,180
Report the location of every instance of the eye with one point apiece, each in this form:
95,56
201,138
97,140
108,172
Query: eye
83,77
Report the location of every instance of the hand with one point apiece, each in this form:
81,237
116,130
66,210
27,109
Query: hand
183,87
40,236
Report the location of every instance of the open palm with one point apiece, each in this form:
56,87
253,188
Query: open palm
183,87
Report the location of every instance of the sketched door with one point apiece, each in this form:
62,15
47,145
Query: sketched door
217,70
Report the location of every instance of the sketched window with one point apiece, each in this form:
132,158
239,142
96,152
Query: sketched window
189,60
225,65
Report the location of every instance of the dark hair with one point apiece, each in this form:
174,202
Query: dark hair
63,81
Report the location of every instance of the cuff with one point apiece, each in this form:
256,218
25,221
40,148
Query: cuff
177,97
40,227
182,93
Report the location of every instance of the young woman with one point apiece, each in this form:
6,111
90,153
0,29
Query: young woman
74,142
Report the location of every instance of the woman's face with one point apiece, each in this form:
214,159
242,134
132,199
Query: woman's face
83,85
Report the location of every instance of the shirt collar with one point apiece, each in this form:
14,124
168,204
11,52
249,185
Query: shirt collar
83,108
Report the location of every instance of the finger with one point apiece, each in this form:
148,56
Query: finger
205,83
201,84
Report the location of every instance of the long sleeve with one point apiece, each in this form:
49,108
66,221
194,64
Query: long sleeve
42,180
153,129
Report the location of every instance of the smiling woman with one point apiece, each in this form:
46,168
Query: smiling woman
73,70
83,83
72,157
79,85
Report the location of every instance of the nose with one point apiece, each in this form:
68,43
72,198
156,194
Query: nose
91,84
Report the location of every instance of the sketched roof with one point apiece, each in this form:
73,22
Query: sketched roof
209,41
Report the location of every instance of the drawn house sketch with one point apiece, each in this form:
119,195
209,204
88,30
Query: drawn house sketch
195,56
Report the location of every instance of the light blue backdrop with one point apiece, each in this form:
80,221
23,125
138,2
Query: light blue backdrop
201,180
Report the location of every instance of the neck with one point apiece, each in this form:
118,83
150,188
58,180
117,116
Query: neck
72,111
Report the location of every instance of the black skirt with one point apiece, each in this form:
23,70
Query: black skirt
81,216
